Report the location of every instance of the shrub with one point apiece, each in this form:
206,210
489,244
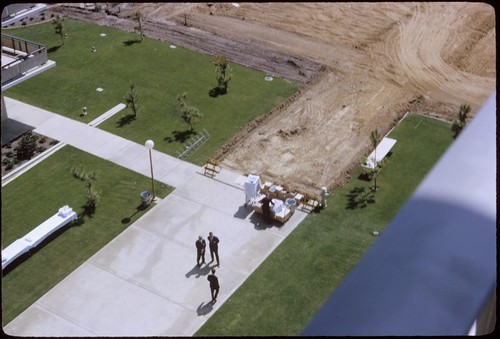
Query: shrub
27,146
8,163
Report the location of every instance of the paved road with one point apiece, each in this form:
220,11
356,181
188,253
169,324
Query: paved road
145,282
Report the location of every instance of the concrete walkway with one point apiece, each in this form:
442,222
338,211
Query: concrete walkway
145,282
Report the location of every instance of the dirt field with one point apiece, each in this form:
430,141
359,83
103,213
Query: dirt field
363,66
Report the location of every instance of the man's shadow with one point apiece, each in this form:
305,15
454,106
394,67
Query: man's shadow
260,223
204,309
199,271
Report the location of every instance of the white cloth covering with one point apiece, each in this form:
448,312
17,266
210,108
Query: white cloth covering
382,149
252,187
35,237
278,205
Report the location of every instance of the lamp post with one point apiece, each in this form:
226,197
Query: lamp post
149,145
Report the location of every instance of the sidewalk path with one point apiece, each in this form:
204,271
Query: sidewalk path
145,282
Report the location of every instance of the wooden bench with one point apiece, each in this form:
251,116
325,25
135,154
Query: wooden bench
310,203
211,168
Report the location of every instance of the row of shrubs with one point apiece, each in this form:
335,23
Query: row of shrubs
23,23
29,146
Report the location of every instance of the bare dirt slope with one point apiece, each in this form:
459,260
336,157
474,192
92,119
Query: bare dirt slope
363,66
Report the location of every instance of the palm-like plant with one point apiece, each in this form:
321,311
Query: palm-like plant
59,27
189,114
222,68
137,16
462,120
132,100
375,139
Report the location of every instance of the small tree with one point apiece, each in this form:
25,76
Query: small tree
461,121
132,100
189,114
137,16
59,27
222,69
87,178
375,139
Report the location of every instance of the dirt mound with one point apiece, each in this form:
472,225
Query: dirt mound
362,65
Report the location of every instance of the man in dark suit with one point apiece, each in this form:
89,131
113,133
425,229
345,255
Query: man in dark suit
266,209
213,244
200,250
214,285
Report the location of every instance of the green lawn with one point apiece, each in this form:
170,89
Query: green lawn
159,74
38,194
286,291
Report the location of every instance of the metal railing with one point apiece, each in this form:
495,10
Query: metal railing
27,55
193,144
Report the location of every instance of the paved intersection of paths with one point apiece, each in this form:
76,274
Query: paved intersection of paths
145,282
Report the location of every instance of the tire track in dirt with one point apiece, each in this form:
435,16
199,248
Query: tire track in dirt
419,54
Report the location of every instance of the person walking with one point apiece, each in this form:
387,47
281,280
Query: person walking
213,244
214,285
266,209
200,250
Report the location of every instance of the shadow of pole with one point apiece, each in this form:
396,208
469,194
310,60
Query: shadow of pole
139,208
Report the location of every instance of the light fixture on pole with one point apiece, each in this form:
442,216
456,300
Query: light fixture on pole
149,145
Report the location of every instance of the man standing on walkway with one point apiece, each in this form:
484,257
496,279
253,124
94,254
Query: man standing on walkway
213,244
200,250
266,209
214,285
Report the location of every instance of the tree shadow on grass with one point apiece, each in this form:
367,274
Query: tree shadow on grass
88,212
125,120
180,136
53,49
138,209
365,177
360,197
131,42
216,91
